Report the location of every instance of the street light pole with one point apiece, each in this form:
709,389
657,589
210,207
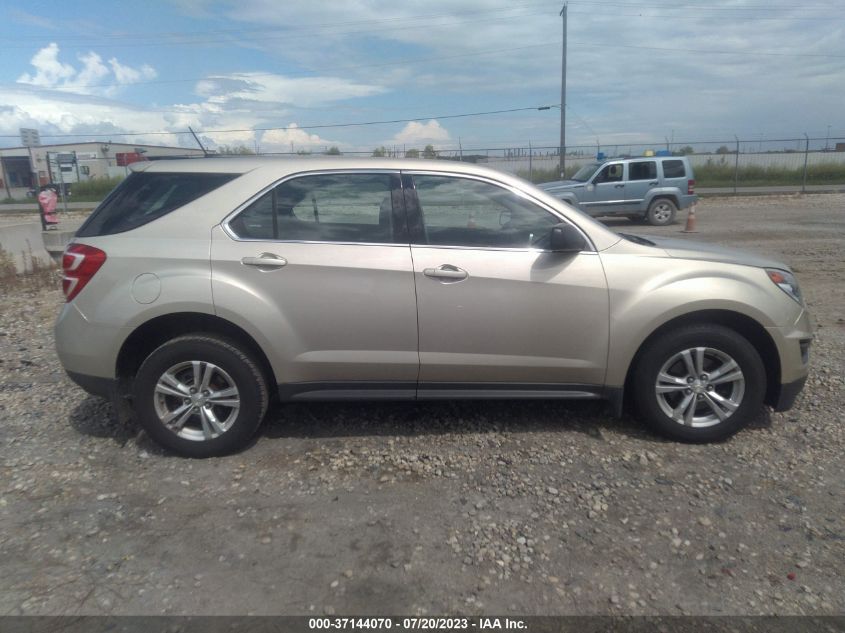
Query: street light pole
563,99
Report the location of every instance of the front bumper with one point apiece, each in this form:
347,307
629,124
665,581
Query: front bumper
793,345
788,393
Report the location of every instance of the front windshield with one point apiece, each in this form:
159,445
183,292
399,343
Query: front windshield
583,174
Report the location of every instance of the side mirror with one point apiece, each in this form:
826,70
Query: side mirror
565,238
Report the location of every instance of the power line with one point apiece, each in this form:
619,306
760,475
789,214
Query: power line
420,60
249,75
710,50
414,17
285,33
299,127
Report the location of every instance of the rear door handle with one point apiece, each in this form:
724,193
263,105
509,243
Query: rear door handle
446,271
653,183
265,260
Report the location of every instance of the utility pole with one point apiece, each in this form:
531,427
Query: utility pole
563,98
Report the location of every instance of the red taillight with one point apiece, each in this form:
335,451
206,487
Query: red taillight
690,187
79,264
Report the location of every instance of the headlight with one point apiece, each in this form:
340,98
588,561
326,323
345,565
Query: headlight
786,282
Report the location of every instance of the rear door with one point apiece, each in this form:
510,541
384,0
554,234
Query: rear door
675,174
497,313
319,267
641,178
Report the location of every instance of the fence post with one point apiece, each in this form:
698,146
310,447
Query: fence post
736,164
530,163
806,155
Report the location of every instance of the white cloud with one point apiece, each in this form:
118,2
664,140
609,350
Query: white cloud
416,133
49,71
292,137
94,77
127,75
271,88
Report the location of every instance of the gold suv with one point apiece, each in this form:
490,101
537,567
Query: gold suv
200,287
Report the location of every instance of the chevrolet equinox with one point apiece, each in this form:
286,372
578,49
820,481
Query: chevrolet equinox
199,288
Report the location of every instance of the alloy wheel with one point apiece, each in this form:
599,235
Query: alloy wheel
196,400
700,387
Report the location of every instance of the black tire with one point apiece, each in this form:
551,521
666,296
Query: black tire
230,365
717,340
661,211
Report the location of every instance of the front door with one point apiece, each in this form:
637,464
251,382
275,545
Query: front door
605,193
320,268
497,312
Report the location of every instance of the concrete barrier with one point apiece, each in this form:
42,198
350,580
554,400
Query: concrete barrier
55,241
24,244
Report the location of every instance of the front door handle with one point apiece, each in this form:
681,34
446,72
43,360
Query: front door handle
446,271
265,260
618,186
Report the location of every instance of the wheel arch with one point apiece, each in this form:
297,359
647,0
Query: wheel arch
661,194
744,325
152,333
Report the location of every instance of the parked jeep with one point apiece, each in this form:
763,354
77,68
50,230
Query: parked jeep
651,188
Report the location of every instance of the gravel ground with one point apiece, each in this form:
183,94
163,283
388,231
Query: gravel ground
441,508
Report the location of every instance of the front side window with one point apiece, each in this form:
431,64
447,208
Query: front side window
471,213
583,174
674,169
611,173
643,170
322,208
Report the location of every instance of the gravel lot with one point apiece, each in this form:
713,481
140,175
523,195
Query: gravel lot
442,508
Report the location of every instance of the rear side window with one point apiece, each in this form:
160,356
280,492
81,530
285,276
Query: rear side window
674,169
646,170
346,208
144,197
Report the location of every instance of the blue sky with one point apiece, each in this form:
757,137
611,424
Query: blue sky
638,71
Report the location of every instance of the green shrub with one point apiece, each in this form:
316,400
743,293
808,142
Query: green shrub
722,175
95,189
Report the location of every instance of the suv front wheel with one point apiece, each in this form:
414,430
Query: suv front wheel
661,212
699,383
200,396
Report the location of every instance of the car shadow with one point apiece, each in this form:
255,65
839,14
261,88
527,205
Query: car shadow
95,417
352,419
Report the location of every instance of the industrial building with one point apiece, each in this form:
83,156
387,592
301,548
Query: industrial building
26,169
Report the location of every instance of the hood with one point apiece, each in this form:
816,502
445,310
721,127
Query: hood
558,184
685,249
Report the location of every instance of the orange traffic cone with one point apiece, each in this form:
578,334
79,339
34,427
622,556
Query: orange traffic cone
690,227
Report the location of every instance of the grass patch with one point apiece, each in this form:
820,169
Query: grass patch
722,175
93,190
39,276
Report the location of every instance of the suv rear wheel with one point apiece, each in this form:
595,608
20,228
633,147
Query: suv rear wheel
699,383
200,396
661,212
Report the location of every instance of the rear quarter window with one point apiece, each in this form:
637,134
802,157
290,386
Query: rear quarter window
674,169
144,197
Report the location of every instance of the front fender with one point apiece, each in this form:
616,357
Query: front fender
681,288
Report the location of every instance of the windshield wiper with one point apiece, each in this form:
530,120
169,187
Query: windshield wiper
636,239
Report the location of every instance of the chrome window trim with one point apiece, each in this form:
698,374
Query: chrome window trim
224,224
515,190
